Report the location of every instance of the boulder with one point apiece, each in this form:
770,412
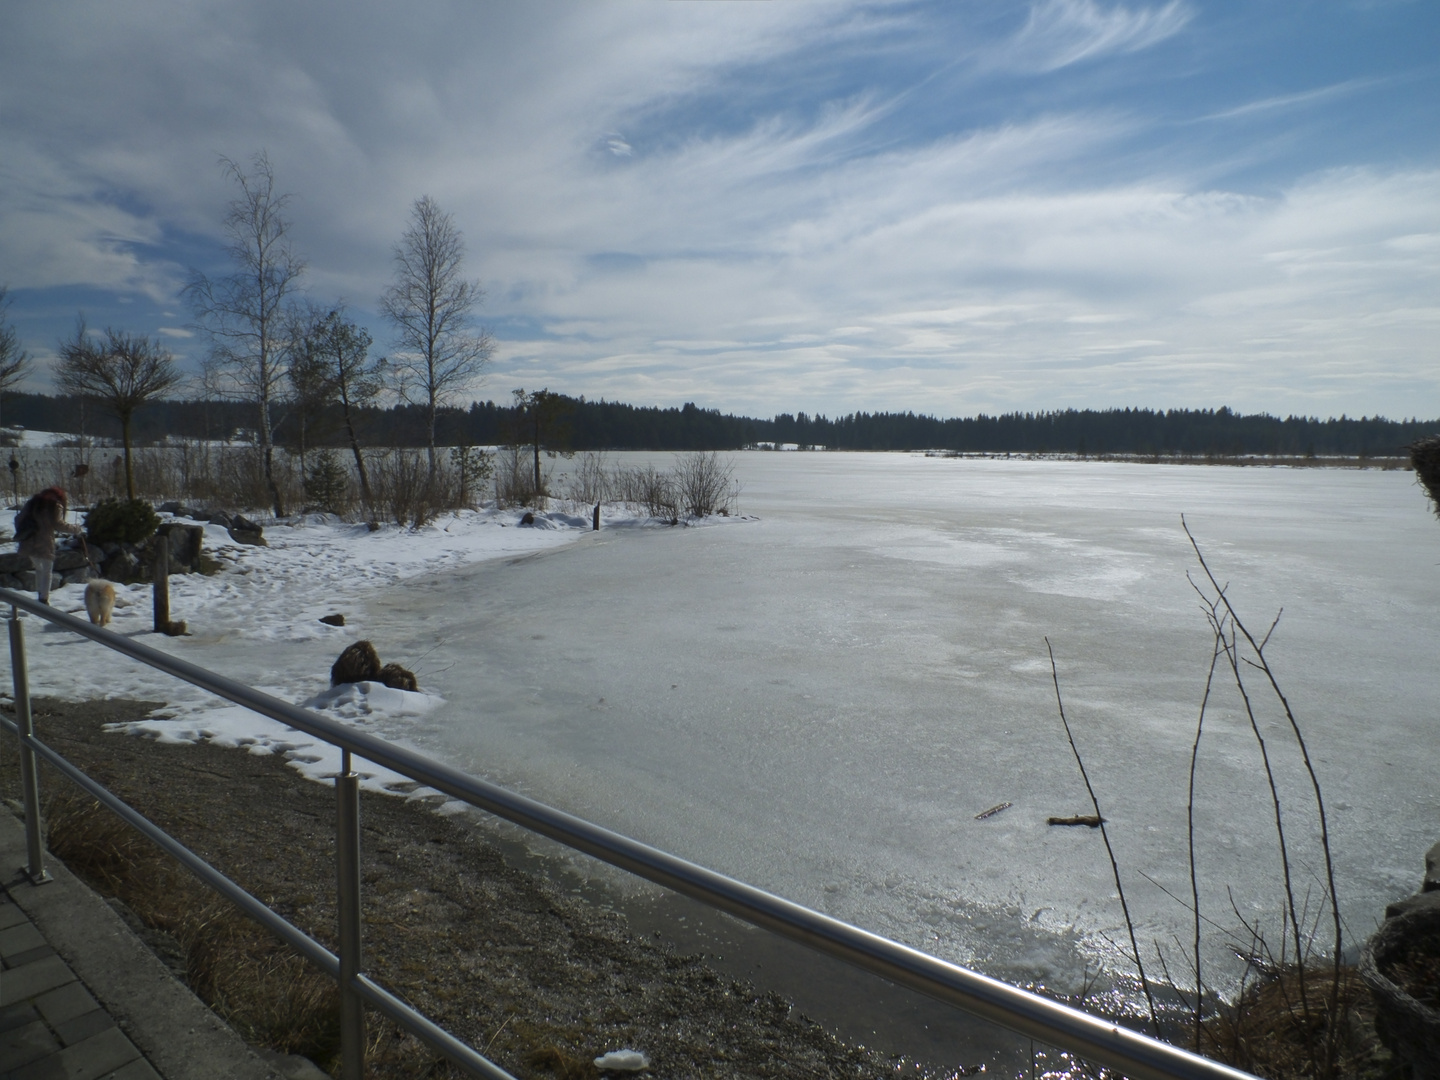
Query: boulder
398,678
359,663
1425,901
220,517
70,559
12,562
333,620
185,542
245,531
124,565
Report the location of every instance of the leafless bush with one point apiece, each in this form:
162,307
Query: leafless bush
515,478
647,488
1294,1015
590,481
705,485
406,491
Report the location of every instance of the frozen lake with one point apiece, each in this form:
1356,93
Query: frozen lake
822,700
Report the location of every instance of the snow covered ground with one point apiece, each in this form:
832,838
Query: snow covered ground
258,621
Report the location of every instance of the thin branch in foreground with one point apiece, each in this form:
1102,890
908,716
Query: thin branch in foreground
1190,833
1105,836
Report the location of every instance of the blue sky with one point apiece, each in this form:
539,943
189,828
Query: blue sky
952,207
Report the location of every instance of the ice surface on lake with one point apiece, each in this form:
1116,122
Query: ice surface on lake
820,702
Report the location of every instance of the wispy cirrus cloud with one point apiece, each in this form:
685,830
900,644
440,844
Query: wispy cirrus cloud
1059,33
766,207
1319,95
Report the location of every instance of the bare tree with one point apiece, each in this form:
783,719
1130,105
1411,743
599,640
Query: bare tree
244,313
123,372
430,303
14,361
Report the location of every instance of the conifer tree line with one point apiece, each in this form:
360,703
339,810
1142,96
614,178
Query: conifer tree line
581,425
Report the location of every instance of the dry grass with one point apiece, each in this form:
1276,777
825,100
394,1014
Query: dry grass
555,1060
262,988
1268,1033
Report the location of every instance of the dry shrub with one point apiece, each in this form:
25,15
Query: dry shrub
647,488
1267,1032
590,481
515,478
1425,457
257,984
704,484
404,489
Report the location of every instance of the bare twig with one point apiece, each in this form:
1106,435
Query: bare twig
1190,830
1264,665
1105,836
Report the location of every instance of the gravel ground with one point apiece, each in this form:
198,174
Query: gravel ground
502,958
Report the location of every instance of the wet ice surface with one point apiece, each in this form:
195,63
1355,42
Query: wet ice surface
821,701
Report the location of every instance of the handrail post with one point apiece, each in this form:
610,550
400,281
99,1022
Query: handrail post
29,773
347,865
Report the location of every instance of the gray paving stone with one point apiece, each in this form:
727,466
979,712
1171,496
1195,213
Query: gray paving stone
13,1016
97,1056
22,1045
139,1069
160,1028
19,938
29,956
26,982
65,1004
83,1026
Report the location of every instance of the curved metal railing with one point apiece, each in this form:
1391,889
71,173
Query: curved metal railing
1090,1037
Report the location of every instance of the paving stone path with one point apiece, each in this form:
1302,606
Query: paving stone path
50,1025
82,998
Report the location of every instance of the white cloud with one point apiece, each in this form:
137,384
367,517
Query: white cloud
1063,32
801,253
1290,101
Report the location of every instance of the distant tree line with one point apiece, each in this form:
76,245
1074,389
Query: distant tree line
578,424
1108,431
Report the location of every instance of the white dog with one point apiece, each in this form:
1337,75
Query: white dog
99,601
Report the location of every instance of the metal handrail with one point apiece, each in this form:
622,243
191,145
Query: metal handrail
1102,1041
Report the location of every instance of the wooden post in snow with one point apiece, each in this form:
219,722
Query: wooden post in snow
162,584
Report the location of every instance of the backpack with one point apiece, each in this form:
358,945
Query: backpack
25,524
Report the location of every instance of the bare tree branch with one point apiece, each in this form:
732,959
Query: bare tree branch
14,361
124,372
243,313
439,352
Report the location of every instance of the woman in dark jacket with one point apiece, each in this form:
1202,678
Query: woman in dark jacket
35,528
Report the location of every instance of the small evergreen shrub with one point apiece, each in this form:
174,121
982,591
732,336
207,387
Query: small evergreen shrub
471,468
121,521
328,484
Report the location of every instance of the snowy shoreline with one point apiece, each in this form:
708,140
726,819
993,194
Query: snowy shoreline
257,620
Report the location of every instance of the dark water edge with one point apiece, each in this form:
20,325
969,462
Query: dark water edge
858,1007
